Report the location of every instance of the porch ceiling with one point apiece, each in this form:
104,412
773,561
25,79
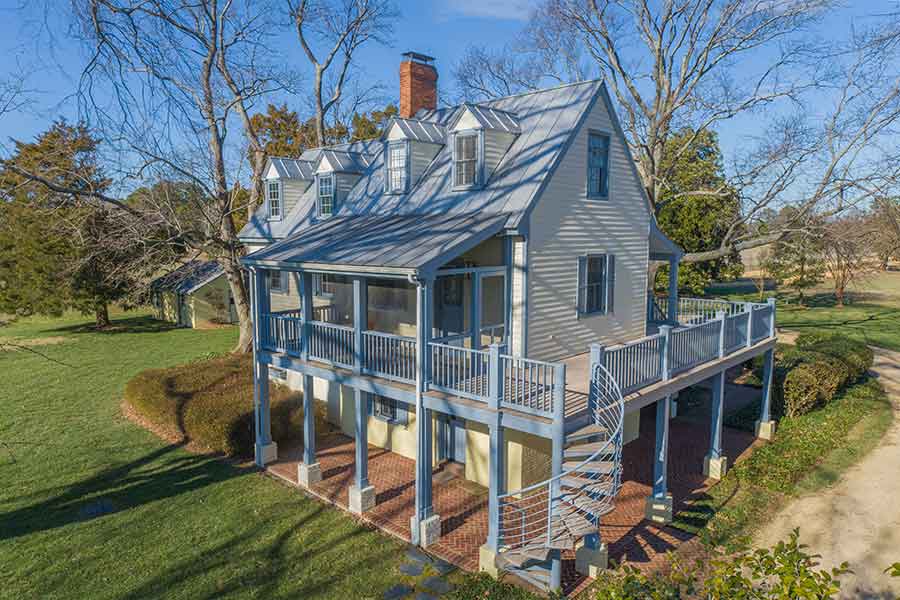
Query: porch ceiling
413,244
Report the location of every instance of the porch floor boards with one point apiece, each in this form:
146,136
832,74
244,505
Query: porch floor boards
462,505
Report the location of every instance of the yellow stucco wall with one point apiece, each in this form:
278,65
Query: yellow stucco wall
527,457
631,427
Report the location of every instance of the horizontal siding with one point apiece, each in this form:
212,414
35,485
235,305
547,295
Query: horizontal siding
420,155
496,143
292,190
290,298
564,225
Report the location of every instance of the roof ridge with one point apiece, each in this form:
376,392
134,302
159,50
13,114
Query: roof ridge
548,89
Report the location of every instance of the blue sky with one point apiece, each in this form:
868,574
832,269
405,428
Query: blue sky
441,29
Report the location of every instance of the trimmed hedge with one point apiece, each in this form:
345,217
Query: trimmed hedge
855,354
814,371
210,403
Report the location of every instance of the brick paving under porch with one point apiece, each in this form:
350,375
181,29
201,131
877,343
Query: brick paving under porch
462,505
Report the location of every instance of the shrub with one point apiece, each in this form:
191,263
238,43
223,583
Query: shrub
813,382
210,403
855,354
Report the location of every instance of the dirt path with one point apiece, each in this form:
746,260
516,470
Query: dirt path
858,519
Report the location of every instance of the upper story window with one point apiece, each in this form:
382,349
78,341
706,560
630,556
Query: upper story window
596,283
274,197
465,160
326,195
397,167
277,282
598,165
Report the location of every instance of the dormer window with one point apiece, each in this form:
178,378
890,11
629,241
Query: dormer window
397,167
465,160
274,197
326,195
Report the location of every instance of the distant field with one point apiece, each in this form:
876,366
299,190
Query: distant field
872,313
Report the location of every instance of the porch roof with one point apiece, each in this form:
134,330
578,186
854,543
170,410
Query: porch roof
409,244
661,247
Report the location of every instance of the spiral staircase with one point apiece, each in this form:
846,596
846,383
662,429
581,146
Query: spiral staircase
554,515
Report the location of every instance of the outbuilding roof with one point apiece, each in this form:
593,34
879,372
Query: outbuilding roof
188,277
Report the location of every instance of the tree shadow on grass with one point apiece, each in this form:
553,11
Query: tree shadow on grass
142,324
160,474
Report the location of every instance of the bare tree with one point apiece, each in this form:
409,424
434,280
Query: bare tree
847,253
331,32
687,63
162,86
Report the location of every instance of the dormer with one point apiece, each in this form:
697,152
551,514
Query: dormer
285,181
409,147
336,172
480,136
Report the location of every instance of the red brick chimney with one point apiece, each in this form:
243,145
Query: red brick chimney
418,84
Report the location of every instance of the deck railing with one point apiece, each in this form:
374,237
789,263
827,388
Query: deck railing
330,343
692,311
636,364
389,356
459,370
524,384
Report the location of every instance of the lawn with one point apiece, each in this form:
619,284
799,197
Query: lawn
872,313
92,506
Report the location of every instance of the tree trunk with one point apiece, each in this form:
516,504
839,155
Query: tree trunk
239,292
257,193
839,296
101,314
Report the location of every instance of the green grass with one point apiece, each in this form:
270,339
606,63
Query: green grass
808,453
92,506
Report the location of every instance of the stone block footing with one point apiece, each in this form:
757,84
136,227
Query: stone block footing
659,510
361,500
429,530
265,453
765,430
590,561
307,475
487,560
715,468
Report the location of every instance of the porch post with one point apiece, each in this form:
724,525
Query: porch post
425,526
476,311
715,465
265,450
362,495
308,471
659,504
673,291
765,427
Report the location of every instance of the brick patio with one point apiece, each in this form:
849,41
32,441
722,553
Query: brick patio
462,505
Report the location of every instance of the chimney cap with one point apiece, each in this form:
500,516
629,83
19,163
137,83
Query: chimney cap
417,57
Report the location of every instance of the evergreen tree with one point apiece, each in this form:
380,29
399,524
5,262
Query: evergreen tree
697,222
57,252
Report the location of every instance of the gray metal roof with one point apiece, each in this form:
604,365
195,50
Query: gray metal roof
422,131
345,162
392,244
188,277
292,168
547,120
492,118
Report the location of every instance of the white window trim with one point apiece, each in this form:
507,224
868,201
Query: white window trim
282,282
280,214
582,311
387,166
587,164
478,181
333,179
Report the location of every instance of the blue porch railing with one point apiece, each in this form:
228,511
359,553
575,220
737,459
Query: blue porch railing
523,384
709,330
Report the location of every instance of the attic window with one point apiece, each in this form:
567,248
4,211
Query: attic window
326,195
598,165
274,195
465,160
397,169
